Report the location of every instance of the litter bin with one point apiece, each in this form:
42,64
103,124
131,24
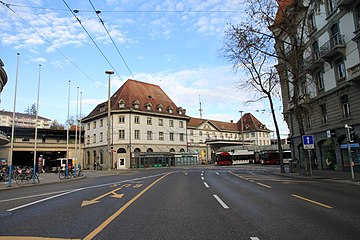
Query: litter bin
292,166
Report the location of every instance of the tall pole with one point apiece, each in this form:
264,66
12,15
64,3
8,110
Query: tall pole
76,131
242,128
13,123
67,132
36,123
81,162
109,163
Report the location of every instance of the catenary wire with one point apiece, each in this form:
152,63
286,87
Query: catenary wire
113,42
48,41
97,46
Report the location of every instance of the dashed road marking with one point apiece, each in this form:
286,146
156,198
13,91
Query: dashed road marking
221,202
206,185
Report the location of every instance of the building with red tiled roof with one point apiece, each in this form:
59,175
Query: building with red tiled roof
144,122
206,136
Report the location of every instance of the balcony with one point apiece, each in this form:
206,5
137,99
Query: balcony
3,138
354,72
313,62
335,46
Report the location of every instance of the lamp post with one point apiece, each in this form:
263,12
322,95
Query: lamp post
108,72
242,128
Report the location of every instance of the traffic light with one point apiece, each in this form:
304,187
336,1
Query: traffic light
351,135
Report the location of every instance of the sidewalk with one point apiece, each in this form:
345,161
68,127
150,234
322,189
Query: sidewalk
324,175
47,178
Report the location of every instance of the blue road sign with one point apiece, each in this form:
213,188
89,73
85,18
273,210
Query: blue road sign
308,141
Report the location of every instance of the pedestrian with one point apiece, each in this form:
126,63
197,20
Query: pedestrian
94,166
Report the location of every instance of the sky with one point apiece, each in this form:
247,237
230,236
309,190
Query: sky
175,44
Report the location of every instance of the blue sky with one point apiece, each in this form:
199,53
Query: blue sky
174,44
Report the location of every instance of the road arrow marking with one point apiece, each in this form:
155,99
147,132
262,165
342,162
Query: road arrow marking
112,192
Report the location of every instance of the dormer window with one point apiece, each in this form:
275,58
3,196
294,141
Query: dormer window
160,108
170,109
148,106
136,104
180,110
121,104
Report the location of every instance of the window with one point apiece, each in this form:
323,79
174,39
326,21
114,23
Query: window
88,139
122,134
94,138
137,134
94,125
101,122
191,132
323,114
171,136
331,4
357,16
252,134
122,119
149,121
101,137
161,122
171,123
161,136
340,70
311,22
137,119
181,137
200,133
315,50
149,135
88,126
121,104
319,81
345,107
181,124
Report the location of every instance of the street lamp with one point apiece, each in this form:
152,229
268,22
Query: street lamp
108,72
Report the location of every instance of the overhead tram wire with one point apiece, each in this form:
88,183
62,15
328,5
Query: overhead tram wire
46,40
102,22
102,53
130,11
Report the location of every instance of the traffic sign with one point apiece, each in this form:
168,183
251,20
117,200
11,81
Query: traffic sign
308,142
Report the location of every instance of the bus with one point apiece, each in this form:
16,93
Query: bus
243,157
273,157
223,158
235,157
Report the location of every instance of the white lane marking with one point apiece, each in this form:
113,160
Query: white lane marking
186,173
74,190
206,185
32,196
44,199
252,173
254,238
217,174
202,178
202,174
264,185
221,202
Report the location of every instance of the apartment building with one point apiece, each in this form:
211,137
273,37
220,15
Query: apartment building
329,86
23,120
147,129
3,80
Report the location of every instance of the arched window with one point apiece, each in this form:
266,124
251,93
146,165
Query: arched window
121,150
172,150
149,150
101,156
137,150
182,150
95,157
121,104
88,158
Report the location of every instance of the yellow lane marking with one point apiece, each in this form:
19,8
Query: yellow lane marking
264,185
312,201
112,192
118,212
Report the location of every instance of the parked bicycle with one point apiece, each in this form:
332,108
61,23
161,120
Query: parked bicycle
70,173
26,175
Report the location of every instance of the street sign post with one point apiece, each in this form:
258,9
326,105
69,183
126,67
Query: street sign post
308,143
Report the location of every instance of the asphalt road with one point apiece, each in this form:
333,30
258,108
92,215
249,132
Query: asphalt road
240,202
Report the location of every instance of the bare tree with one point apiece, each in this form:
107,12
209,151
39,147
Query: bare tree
242,44
56,125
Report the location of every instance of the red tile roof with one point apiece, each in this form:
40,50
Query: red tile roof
283,5
133,91
221,126
251,123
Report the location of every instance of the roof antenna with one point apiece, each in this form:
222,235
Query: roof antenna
200,110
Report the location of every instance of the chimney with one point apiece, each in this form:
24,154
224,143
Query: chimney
232,121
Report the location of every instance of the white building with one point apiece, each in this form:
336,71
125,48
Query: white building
147,129
23,120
